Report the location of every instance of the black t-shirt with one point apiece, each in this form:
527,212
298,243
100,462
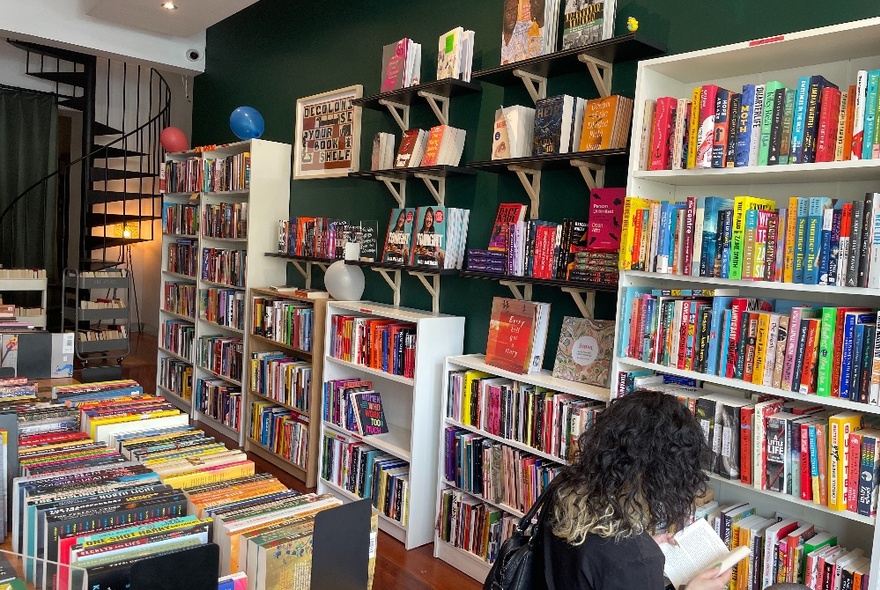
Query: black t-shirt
603,564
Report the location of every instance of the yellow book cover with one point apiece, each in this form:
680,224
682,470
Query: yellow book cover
839,425
742,204
761,348
96,422
197,478
467,395
600,118
790,233
742,568
632,206
694,128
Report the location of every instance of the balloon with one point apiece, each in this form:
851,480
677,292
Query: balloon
344,282
247,123
173,140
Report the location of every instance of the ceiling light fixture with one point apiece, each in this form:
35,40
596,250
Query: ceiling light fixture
169,6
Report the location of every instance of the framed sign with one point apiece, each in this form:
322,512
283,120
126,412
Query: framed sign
328,130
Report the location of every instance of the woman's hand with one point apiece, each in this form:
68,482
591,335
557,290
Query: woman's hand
709,580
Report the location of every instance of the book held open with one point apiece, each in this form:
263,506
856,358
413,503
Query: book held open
698,549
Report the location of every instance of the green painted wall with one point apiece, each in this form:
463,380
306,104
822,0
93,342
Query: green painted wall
276,51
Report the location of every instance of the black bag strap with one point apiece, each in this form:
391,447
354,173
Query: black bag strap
527,518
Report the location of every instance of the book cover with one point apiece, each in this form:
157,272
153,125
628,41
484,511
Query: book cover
522,32
513,330
398,240
429,241
708,96
584,351
770,89
508,213
587,21
394,65
605,219
718,156
369,413
548,125
604,116
500,137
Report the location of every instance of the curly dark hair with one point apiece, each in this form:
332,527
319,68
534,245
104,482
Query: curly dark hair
639,468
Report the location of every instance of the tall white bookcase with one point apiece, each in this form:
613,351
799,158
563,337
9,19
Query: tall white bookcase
267,198
411,407
836,52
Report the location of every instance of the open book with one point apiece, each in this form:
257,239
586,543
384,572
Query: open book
698,549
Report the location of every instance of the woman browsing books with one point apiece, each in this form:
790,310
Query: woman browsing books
638,471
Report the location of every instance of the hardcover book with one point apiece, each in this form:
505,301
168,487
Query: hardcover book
368,413
397,242
517,335
429,241
508,213
605,218
548,125
586,22
584,352
394,65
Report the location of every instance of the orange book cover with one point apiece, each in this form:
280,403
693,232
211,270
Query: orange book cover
432,148
598,128
511,326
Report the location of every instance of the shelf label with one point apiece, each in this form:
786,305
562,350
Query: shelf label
766,40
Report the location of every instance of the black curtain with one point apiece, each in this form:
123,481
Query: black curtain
28,152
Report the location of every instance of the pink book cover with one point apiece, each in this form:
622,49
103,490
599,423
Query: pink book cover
662,133
393,65
605,219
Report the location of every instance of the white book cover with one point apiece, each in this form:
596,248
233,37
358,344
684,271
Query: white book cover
697,250
755,135
645,138
449,54
874,261
859,115
678,138
698,548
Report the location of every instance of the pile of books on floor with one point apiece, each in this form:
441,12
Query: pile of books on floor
107,476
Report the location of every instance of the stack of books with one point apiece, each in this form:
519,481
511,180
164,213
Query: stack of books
565,124
383,151
513,133
401,64
432,237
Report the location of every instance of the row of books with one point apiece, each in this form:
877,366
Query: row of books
220,400
100,303
97,334
816,240
366,472
179,298
354,405
495,472
180,219
224,307
401,64
442,145
232,173
286,321
183,257
764,124
473,526
220,355
176,376
385,345
545,420
433,237
181,176
319,237
22,273
280,430
281,378
225,220
227,267
829,351
177,336
110,273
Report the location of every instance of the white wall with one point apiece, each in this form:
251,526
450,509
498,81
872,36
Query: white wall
65,23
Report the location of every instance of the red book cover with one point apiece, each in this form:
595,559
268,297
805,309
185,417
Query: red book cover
806,474
432,148
605,219
682,334
511,326
662,133
708,96
811,357
752,335
829,110
634,335
637,240
547,233
853,463
507,213
737,308
690,217
848,123
747,414
407,145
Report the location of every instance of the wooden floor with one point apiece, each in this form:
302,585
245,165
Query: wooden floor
396,568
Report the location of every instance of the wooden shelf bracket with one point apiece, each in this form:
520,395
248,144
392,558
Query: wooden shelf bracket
432,287
594,174
600,71
585,299
439,104
530,80
521,291
397,188
394,283
305,269
400,112
439,191
531,181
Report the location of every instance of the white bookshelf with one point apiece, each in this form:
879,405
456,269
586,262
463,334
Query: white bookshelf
471,564
412,408
836,52
28,285
267,199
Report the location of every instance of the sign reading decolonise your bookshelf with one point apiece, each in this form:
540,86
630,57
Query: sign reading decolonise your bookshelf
328,129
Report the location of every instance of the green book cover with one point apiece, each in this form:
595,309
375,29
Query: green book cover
787,121
826,351
767,121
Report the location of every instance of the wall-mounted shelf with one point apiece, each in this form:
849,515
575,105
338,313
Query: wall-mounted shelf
429,277
598,58
434,178
304,264
436,93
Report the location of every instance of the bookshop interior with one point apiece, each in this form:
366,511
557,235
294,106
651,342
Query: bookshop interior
288,302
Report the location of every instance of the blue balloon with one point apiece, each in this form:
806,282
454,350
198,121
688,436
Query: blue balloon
247,123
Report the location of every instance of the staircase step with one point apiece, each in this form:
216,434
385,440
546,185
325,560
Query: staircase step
115,152
99,128
65,54
97,196
69,78
114,174
99,242
77,103
100,219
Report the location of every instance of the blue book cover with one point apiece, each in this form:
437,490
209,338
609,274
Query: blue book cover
710,255
663,233
800,238
744,125
856,360
796,155
834,254
724,343
649,313
548,125
815,216
811,120
870,113
630,294
725,222
719,305
825,246
848,354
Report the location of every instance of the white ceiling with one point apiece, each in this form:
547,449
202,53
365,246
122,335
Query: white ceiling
190,18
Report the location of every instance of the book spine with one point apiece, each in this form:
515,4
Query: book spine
776,127
694,128
834,247
870,113
747,415
811,122
840,135
733,129
720,132
787,122
806,484
858,121
826,351
708,95
687,248
757,122
796,155
865,241
744,125
867,476
853,465
767,121
854,247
